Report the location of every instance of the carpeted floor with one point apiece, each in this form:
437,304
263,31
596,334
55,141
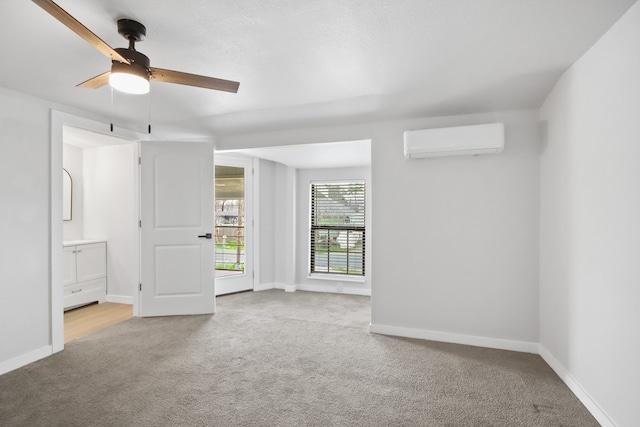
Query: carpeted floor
282,359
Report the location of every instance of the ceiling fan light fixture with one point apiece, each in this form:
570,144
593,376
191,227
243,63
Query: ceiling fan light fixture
129,83
129,78
130,70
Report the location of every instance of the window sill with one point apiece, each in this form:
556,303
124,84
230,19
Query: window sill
337,277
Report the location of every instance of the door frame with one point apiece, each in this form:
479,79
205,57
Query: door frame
252,164
58,120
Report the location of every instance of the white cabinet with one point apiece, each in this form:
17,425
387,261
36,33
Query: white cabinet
69,277
85,273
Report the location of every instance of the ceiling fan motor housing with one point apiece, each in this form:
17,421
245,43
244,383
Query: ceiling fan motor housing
139,63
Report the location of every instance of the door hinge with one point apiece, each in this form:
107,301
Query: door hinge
139,160
139,286
139,223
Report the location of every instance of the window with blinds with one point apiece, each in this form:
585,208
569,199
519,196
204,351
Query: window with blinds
337,228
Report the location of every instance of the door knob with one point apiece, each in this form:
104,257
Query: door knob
205,236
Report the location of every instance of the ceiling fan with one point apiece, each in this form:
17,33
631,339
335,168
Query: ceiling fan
130,69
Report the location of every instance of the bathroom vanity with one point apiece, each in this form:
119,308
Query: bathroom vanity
85,272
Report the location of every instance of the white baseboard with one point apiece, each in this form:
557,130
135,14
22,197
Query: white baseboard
502,344
264,286
335,289
284,287
120,299
25,359
329,288
575,387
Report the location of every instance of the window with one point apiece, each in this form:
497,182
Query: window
337,228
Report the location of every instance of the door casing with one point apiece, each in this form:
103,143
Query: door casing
248,280
58,120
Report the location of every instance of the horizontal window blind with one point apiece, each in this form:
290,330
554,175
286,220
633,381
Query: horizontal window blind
338,228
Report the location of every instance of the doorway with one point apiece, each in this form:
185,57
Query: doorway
229,221
58,121
233,224
100,234
88,319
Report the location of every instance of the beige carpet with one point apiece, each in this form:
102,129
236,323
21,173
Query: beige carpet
282,359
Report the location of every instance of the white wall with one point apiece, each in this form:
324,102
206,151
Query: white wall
468,227
111,213
30,232
590,228
302,201
266,200
72,162
24,230
284,227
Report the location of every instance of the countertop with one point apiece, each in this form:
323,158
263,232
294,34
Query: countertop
81,242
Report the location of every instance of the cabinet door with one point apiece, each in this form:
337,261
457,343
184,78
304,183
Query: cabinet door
69,258
91,261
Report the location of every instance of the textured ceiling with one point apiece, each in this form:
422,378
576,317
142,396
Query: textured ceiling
314,156
307,63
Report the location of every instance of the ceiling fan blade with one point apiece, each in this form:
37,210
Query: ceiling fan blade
74,25
180,78
96,82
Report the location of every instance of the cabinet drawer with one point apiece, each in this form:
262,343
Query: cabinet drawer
84,287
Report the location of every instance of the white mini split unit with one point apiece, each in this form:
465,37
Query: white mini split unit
454,141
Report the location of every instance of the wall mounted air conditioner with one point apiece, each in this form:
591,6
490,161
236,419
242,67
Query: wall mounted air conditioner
454,141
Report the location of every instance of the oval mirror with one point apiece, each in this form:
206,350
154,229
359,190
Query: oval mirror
67,196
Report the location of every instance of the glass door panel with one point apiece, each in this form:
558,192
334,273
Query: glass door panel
230,221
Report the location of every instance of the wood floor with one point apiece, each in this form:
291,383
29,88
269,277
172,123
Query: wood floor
86,320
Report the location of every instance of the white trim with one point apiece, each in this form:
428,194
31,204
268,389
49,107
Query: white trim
264,286
576,388
285,287
138,203
120,299
502,344
337,181
335,289
255,192
27,358
248,280
328,288
337,277
56,292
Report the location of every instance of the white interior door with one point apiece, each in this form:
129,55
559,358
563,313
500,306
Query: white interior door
234,224
177,249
